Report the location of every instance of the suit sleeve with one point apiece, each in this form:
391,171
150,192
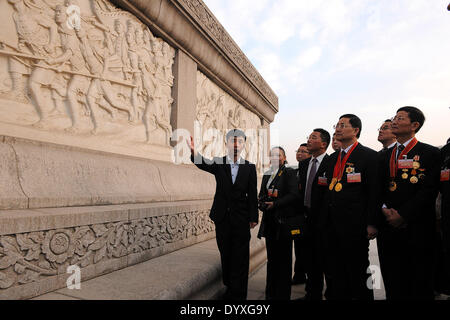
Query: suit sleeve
291,192
301,181
253,195
383,177
373,189
445,152
263,189
413,208
204,163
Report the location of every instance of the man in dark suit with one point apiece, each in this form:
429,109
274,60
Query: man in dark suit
410,182
234,210
313,185
445,217
385,135
349,212
335,144
302,154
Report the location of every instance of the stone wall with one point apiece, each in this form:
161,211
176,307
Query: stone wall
93,95
37,246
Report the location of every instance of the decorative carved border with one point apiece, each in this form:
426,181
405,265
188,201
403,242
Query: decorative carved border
208,22
31,257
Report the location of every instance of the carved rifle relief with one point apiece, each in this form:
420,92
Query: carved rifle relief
84,67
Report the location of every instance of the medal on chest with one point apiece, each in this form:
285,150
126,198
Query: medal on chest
339,168
401,162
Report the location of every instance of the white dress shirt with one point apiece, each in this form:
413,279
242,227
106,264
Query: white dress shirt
391,145
347,149
234,167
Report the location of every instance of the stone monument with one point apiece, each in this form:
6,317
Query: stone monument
96,100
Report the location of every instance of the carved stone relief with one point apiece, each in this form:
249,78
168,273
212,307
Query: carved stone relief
217,113
213,27
84,68
30,257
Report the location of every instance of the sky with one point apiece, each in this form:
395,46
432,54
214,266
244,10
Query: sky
325,58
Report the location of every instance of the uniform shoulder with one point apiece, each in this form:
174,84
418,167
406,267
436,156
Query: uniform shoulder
290,169
445,151
446,148
334,154
429,148
303,163
369,150
219,160
249,163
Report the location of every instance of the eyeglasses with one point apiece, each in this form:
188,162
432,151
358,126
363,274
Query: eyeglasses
385,128
341,125
302,151
312,138
398,118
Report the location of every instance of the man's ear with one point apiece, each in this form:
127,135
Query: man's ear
415,125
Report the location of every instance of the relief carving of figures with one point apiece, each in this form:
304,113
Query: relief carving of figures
235,118
163,60
217,113
46,70
28,257
36,37
87,66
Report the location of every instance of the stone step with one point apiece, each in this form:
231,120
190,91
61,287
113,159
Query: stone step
189,273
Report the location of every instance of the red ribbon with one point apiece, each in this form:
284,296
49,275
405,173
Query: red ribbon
393,163
340,165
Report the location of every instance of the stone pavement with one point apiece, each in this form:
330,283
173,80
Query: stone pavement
257,280
190,273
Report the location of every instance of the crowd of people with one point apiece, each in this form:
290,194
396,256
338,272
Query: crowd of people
332,206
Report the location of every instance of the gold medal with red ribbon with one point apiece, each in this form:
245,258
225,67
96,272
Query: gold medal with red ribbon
393,163
339,170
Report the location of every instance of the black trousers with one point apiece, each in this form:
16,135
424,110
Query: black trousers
314,263
407,269
445,253
233,241
279,267
347,260
441,267
299,265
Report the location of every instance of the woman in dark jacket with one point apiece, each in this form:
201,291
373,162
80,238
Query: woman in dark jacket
278,199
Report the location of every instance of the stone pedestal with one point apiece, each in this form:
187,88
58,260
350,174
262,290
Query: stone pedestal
93,97
184,92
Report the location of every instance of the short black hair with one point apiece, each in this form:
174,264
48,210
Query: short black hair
355,121
448,140
415,115
236,133
324,135
279,148
303,145
388,120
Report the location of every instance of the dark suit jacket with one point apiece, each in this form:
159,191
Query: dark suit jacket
414,202
445,191
285,205
355,207
317,191
239,199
